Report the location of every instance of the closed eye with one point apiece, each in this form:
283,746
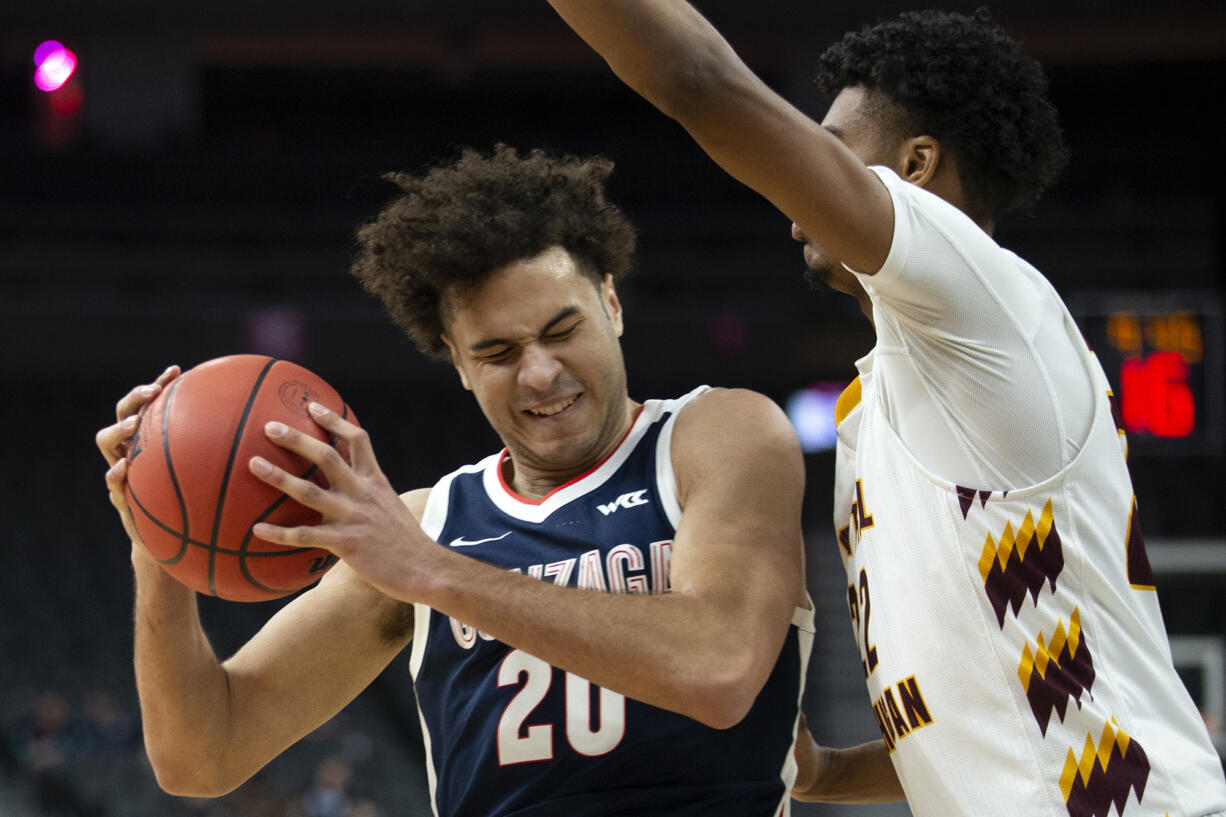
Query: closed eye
497,356
561,334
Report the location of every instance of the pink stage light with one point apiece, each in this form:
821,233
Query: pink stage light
55,65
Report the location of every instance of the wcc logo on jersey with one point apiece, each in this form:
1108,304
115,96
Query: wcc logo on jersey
1021,563
1054,673
630,500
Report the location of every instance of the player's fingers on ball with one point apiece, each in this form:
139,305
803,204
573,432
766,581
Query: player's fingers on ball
132,402
302,491
275,533
303,536
105,442
356,443
317,451
117,473
338,425
116,481
353,438
165,377
112,439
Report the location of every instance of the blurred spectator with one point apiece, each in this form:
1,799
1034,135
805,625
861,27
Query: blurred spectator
329,794
108,728
45,740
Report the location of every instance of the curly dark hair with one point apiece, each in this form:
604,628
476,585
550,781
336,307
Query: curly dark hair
963,80
457,222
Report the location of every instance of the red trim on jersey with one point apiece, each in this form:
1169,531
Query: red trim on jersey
502,480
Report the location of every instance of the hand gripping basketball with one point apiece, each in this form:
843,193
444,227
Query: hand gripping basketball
114,441
186,493
363,520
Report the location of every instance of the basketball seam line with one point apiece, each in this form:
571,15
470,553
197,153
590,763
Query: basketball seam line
170,470
225,480
242,551
148,514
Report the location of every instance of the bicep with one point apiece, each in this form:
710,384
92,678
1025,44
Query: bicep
741,484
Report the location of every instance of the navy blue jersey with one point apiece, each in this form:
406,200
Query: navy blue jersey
508,734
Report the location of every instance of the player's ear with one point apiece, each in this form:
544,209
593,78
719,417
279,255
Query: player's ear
455,361
918,160
612,306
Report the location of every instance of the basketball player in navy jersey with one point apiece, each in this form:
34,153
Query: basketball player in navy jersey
998,587
607,617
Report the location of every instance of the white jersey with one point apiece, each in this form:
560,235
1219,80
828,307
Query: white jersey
1011,640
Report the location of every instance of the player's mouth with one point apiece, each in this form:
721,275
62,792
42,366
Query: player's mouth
555,408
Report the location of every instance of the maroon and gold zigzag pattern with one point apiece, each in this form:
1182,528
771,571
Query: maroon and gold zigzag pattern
1104,774
1053,673
1020,563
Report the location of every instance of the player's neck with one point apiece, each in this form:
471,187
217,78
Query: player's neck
534,477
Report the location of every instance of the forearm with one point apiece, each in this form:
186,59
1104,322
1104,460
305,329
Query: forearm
184,695
704,649
677,651
666,51
208,725
859,774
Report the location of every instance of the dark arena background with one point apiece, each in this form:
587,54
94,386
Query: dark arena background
192,190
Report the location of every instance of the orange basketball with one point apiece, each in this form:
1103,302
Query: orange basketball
192,496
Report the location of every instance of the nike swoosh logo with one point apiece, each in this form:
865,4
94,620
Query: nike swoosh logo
460,541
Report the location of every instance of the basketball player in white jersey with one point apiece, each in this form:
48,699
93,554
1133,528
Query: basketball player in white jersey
607,617
1010,636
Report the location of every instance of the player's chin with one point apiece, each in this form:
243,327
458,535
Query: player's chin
819,268
820,279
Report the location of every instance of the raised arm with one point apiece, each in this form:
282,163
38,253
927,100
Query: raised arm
704,650
667,52
210,725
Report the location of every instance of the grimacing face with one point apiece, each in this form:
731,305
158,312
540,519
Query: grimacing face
537,344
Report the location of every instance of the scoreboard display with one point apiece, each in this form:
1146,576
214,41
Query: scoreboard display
1163,353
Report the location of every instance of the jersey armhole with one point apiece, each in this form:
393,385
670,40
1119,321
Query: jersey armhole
434,516
666,479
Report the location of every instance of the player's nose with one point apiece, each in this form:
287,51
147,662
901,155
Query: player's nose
797,233
538,368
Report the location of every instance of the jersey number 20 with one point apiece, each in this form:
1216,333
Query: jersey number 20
532,743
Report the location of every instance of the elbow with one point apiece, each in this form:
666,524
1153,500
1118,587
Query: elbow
189,777
724,710
724,697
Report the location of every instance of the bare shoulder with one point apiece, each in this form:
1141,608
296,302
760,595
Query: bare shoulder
736,434
416,501
738,418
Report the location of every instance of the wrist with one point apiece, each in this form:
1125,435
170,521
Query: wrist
151,577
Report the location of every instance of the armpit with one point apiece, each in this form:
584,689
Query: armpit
396,622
